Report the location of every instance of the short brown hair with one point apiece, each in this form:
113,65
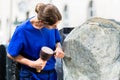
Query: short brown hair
48,13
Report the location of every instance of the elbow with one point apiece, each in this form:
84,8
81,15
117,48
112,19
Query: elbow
9,56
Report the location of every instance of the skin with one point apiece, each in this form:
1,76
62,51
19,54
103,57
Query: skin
39,63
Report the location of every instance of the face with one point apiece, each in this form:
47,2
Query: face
54,26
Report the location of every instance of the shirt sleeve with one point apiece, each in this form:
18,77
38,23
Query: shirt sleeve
57,36
16,44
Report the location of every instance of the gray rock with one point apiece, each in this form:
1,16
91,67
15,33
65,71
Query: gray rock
92,51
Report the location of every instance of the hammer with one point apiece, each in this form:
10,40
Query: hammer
45,54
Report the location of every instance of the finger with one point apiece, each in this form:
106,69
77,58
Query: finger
61,55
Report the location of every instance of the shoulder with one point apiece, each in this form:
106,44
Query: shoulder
23,26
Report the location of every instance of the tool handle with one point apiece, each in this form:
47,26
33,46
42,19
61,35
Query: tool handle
38,70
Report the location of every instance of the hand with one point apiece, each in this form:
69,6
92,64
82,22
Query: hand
38,64
59,53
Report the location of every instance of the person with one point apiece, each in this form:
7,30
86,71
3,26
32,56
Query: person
28,39
2,62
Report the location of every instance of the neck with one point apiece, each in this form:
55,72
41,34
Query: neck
36,23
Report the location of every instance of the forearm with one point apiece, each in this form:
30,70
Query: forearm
38,64
21,59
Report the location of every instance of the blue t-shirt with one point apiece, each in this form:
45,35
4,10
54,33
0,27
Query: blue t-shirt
27,41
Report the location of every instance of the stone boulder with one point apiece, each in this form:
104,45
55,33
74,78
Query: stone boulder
92,51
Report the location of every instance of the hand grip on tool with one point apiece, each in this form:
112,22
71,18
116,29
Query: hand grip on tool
45,54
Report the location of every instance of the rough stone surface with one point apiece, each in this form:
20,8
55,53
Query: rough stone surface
92,51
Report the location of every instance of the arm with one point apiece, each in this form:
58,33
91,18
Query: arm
59,51
38,64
